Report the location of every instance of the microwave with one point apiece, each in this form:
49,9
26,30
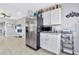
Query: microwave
46,28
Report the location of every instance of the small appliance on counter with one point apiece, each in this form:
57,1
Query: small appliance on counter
46,29
50,28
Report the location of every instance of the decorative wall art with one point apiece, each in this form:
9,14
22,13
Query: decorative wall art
50,8
72,14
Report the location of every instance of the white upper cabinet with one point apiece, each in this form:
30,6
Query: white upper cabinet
56,16
46,18
52,17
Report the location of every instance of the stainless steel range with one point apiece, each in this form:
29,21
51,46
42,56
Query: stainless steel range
33,32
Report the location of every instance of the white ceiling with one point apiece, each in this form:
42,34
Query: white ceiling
21,8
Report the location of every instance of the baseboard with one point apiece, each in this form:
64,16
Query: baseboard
32,47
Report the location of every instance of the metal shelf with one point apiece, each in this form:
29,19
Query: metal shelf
67,43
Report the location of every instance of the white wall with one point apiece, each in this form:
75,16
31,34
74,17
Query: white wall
10,28
9,31
66,9
70,23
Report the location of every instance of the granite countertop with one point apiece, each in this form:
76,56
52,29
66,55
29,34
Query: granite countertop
51,32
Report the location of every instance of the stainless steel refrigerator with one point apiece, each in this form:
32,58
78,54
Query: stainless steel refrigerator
33,32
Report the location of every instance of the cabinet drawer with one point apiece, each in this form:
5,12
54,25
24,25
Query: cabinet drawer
44,35
54,36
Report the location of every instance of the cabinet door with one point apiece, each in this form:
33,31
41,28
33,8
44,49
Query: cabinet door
54,44
56,16
46,18
43,41
50,42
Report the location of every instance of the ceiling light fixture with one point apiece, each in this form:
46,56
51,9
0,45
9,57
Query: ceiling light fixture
19,13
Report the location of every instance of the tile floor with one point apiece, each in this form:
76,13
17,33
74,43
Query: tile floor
16,46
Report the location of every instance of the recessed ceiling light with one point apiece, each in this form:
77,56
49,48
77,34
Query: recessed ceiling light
19,13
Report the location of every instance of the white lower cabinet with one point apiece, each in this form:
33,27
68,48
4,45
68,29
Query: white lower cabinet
43,41
50,42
